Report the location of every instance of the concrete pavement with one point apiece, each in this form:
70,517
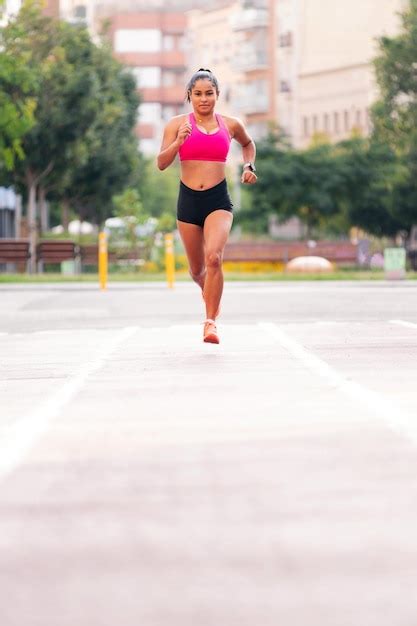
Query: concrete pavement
149,479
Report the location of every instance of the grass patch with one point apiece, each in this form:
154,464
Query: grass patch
142,277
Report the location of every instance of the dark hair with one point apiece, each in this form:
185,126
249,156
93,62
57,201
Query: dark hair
198,75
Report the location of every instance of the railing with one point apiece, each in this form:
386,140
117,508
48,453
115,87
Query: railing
251,103
249,59
249,19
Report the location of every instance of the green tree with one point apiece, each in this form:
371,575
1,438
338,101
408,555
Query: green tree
302,183
109,160
129,207
16,104
81,147
64,91
395,114
372,175
159,190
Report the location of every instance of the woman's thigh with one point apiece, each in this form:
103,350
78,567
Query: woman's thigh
216,230
193,239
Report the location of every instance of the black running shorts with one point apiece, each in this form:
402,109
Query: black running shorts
194,206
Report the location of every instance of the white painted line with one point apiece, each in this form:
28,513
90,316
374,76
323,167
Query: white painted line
22,435
380,405
403,323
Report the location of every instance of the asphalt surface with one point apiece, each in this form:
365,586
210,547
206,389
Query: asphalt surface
148,479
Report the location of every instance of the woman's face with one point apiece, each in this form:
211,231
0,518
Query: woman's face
203,96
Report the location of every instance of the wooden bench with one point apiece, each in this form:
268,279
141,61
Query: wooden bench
89,255
16,251
53,252
342,252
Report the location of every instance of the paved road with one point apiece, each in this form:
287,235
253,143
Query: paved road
148,479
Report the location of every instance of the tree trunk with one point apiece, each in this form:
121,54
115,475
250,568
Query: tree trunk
31,220
43,211
18,218
65,214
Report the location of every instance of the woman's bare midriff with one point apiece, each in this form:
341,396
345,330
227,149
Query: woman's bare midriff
200,175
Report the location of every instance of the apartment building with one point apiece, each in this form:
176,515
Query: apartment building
69,10
152,44
253,28
324,56
211,44
236,41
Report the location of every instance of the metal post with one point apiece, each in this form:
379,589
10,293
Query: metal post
170,259
102,260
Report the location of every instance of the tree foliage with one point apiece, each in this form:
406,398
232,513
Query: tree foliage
16,104
395,114
301,183
81,148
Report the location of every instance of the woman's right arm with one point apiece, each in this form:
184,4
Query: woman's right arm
174,136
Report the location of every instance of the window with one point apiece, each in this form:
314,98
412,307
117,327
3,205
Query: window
315,123
80,12
138,40
306,130
336,122
168,42
147,76
149,113
182,43
169,79
368,120
346,120
168,112
359,119
326,122
285,40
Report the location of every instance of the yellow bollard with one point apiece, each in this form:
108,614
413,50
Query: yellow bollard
170,259
102,260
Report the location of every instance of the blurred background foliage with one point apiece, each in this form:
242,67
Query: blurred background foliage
67,118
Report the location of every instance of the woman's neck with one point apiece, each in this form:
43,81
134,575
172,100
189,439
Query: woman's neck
205,119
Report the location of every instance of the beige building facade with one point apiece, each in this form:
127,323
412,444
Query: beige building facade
236,41
211,44
325,49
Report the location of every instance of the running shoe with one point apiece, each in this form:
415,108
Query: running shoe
210,332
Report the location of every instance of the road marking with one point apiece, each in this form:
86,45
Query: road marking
22,435
380,405
403,323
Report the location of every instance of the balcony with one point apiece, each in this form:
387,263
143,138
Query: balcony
249,19
251,104
164,59
173,95
249,60
284,86
286,40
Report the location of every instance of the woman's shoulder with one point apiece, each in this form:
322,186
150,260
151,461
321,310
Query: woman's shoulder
179,119
232,123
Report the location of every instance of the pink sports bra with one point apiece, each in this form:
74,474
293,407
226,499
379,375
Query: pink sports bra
202,147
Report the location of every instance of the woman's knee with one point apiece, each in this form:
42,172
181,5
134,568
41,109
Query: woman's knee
196,272
214,259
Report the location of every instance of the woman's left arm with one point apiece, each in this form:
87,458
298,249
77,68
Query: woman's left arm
241,135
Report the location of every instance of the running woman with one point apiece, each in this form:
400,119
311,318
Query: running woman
204,210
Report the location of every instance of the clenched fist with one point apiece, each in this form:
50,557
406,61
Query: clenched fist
184,132
248,177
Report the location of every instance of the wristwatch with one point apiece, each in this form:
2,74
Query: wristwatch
249,166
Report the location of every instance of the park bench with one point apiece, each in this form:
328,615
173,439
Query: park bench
344,253
89,255
54,252
16,251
